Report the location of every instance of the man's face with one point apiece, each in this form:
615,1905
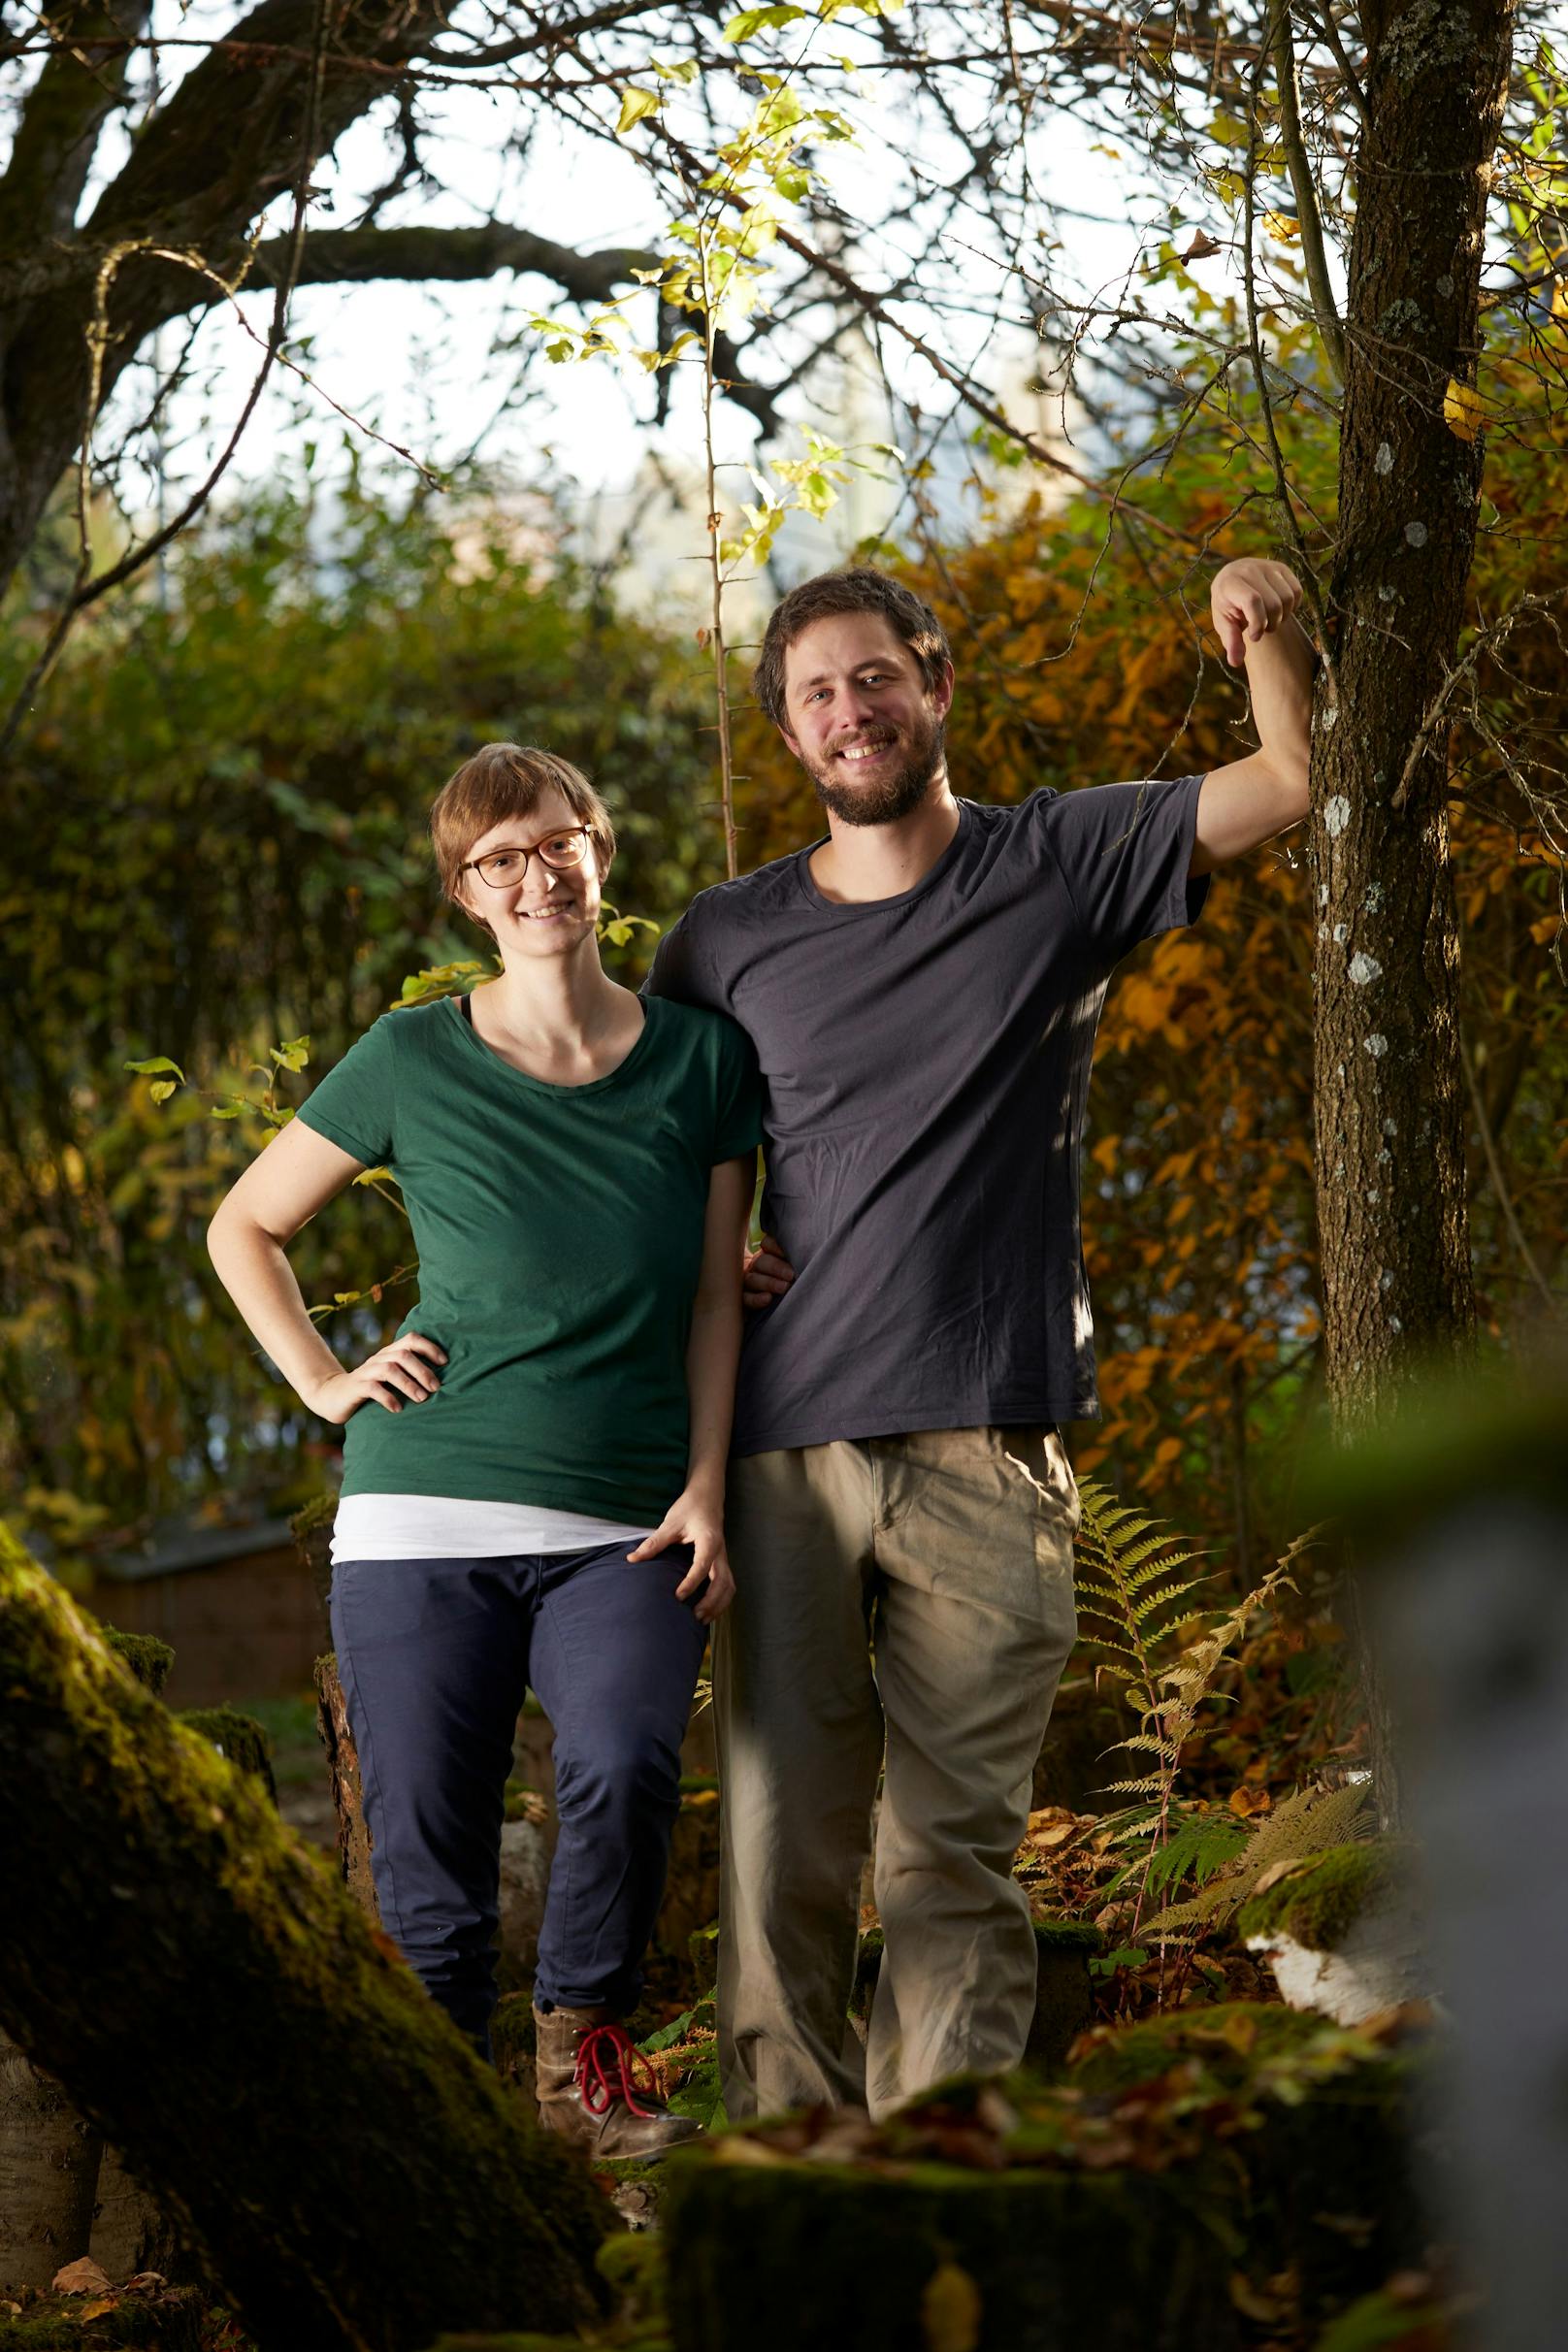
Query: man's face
859,719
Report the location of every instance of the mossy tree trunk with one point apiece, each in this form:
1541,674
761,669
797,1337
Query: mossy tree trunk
358,2179
1388,1081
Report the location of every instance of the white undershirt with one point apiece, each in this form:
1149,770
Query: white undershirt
441,1526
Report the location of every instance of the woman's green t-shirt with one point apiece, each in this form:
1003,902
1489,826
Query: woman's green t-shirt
560,1239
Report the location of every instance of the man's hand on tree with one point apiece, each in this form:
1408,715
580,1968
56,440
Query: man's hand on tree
1250,600
766,1274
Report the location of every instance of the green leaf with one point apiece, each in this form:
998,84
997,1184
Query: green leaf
635,104
758,20
161,1088
159,1062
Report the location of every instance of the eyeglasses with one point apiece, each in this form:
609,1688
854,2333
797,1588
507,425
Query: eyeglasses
502,867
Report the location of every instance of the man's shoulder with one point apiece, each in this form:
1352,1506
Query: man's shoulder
738,900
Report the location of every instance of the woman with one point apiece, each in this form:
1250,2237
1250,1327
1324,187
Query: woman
533,1467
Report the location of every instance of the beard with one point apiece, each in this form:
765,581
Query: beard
892,796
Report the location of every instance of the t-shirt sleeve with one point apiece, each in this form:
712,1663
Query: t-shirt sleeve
683,970
737,1109
354,1104
1123,851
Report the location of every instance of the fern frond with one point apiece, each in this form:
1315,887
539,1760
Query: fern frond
1308,1823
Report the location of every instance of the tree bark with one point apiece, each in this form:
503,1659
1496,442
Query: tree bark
1392,1216
357,2179
348,1803
49,2173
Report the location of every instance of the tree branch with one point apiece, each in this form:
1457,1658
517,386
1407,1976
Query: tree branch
82,80
459,256
1313,253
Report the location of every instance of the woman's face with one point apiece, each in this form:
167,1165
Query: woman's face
543,911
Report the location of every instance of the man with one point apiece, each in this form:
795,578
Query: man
923,989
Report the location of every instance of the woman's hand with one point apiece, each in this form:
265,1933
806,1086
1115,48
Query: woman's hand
766,1274
405,1367
696,1518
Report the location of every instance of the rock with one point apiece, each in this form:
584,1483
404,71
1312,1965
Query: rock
1343,1932
525,1874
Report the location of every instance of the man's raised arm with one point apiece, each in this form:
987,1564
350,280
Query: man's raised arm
1250,800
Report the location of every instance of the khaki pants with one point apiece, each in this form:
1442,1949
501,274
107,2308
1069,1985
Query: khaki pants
911,1595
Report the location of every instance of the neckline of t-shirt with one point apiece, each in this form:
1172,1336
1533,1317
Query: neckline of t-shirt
878,906
547,1086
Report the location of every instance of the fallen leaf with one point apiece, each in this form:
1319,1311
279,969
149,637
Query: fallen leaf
97,2308
1246,1801
950,2310
1277,1871
81,2277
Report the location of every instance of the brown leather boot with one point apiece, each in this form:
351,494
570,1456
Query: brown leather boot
589,2091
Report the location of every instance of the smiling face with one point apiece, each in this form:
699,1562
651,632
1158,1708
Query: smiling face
861,719
542,911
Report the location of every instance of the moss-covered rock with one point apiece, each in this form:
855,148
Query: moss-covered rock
147,1658
246,1742
1189,2161
1319,1904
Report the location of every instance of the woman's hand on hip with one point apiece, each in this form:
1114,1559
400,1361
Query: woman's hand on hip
697,1518
407,1370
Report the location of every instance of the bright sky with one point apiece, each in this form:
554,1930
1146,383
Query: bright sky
417,364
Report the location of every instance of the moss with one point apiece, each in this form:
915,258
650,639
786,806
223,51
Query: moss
513,2038
1053,1936
160,1905
1184,2153
246,1742
769,2257
169,2321
1232,2040
1455,1444
148,1658
1317,1905
312,1516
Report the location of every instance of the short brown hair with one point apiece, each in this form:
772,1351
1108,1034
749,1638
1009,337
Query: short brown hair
858,588
509,780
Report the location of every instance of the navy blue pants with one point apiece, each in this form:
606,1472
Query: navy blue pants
434,1658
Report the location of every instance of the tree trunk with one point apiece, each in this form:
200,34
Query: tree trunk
342,1763
49,2173
1390,1089
358,2179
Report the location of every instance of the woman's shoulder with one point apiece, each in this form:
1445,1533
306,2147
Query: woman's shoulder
697,1027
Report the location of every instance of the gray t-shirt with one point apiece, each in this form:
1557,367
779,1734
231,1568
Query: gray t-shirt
925,1061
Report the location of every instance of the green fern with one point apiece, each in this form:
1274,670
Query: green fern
1309,1822
1132,1598
1138,1605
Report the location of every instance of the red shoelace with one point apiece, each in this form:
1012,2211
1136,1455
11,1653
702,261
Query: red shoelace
607,2060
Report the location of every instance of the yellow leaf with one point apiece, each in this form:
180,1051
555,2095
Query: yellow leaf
1282,226
950,2310
1559,298
1462,411
634,104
